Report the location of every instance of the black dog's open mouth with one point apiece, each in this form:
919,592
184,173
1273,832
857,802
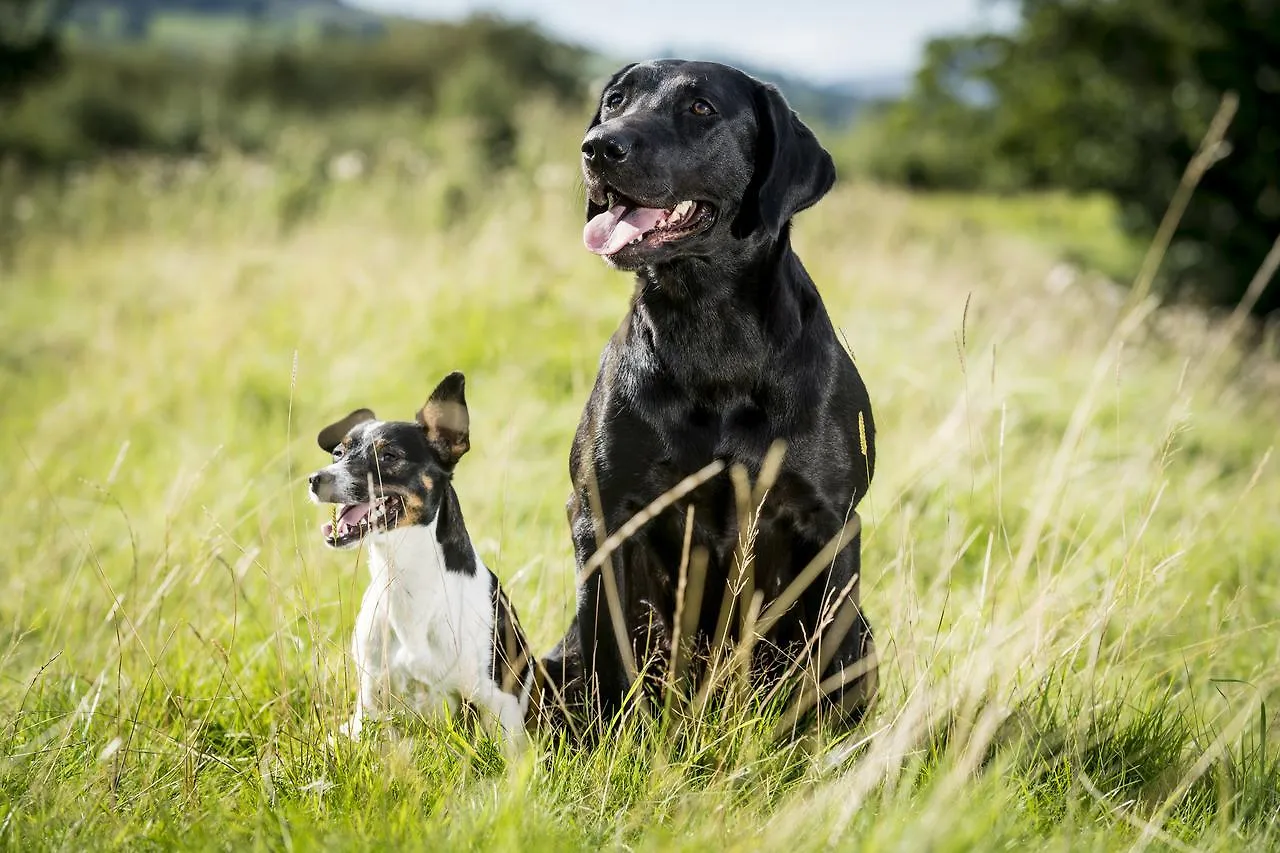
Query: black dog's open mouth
353,522
628,223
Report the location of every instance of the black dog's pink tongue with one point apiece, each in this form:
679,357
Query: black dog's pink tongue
610,231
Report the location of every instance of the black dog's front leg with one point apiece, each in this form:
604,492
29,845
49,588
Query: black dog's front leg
642,619
605,675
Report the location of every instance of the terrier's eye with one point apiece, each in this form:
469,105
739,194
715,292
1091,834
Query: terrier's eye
339,452
614,100
701,107
390,455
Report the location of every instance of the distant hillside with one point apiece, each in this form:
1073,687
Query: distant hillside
833,104
226,24
836,104
217,22
212,82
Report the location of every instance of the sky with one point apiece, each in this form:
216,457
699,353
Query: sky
824,40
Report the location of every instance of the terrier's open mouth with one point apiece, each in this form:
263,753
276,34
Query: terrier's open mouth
626,222
353,522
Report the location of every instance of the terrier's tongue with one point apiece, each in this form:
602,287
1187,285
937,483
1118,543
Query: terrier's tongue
352,514
608,232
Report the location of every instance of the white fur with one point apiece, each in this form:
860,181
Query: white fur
424,638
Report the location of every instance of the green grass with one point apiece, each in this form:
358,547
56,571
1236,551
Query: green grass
1071,548
1083,230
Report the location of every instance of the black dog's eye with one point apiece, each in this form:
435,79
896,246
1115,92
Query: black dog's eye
702,108
389,455
339,452
614,100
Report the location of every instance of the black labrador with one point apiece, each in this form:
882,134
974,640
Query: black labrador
693,172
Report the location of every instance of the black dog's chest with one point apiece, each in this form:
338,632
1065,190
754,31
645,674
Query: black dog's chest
733,432
716,423
737,432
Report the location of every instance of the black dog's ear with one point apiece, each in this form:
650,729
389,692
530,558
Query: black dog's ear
332,435
792,169
592,208
446,420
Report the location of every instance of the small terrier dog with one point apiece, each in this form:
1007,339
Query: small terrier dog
435,628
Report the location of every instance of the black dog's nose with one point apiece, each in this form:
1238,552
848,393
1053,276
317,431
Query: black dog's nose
317,478
612,146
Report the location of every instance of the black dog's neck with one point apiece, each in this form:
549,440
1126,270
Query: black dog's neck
757,260
721,320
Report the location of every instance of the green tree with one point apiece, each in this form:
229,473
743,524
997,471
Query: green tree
1115,95
29,46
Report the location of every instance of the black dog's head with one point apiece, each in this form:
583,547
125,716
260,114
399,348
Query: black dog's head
389,474
683,157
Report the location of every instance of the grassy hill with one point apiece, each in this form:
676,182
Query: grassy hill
222,26
1070,551
110,98
217,24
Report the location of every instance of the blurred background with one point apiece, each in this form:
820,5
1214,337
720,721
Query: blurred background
1104,97
224,223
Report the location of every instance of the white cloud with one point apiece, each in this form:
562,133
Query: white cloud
817,38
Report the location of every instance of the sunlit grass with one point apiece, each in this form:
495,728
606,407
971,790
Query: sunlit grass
1076,657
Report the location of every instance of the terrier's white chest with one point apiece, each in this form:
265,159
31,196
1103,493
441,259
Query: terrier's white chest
423,635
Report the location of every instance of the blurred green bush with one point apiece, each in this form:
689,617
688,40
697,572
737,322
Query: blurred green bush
1110,95
143,98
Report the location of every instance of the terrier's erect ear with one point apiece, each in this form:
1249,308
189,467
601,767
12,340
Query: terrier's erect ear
446,420
332,435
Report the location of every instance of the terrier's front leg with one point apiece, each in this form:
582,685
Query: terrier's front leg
371,650
507,710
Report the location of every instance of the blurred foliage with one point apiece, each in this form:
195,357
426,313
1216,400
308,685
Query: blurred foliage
209,21
29,51
1111,95
108,100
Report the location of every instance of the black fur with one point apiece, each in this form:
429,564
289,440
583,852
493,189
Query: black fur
727,347
451,533
512,657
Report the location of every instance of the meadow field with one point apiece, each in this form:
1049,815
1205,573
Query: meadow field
1071,556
